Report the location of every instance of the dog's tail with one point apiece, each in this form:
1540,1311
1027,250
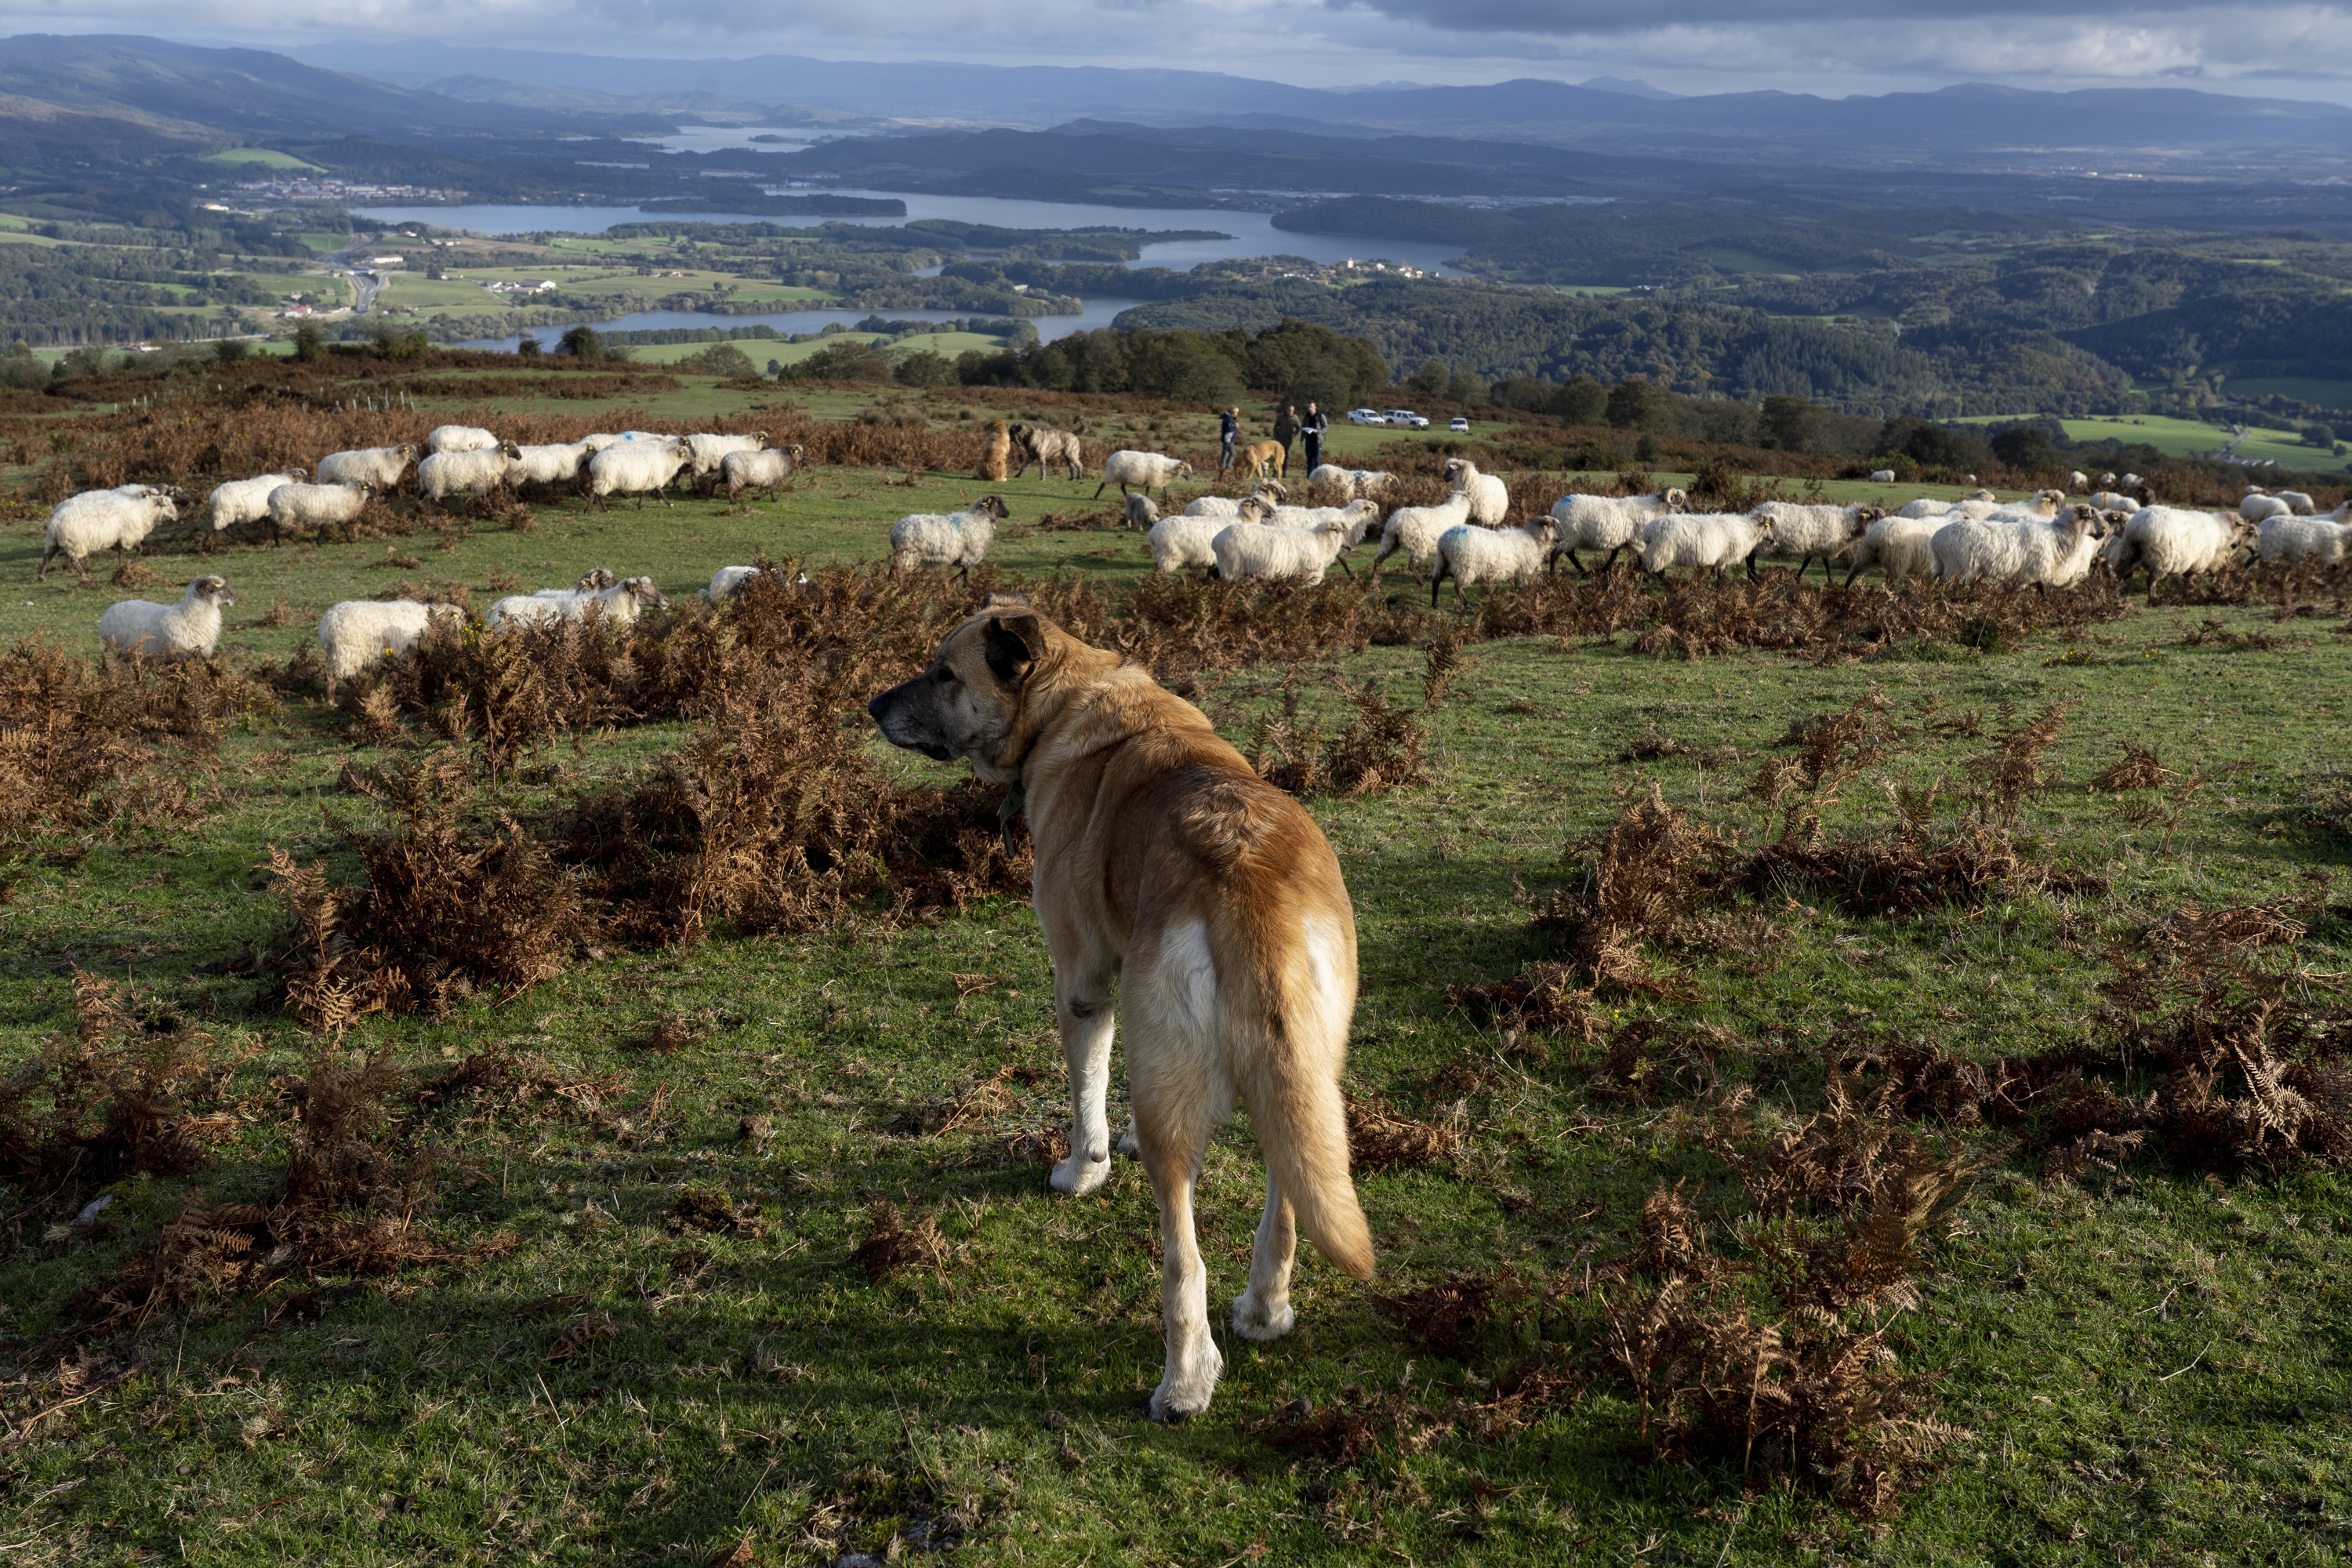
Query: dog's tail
1299,1113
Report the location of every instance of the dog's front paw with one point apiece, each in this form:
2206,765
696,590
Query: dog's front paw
1186,1391
1080,1173
1254,1320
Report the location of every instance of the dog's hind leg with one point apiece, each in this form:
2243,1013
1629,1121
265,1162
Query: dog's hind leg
1087,1022
1263,1311
1172,1120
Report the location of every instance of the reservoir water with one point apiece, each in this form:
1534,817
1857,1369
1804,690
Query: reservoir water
1097,313
1254,234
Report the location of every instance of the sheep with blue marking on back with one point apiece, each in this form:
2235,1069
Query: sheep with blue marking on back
1475,555
960,540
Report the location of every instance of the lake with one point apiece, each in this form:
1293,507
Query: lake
1097,313
1254,234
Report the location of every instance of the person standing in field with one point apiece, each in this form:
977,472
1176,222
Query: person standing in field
1227,437
1286,429
1311,429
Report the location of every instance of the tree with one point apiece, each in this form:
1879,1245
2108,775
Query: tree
1788,423
228,351
843,359
1581,402
529,348
1467,387
2025,447
1431,380
1634,404
582,343
723,360
22,368
310,343
925,367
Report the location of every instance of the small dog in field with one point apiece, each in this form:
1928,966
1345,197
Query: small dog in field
1167,866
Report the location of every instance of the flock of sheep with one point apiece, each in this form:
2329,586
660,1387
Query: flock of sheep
2044,542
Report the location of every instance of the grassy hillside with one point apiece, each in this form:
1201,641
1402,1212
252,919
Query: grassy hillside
596,1269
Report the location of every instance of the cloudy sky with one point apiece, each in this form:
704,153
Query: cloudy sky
1831,47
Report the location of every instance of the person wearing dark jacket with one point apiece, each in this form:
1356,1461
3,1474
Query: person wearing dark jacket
1286,429
1311,429
1227,437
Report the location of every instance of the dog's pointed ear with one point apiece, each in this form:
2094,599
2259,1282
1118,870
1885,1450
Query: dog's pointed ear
1015,643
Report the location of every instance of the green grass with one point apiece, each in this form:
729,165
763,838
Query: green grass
420,1418
263,156
2326,393
2190,438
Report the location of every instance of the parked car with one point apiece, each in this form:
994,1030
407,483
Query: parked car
1408,419
1366,416
1460,427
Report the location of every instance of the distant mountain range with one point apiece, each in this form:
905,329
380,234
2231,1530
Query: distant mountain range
2145,129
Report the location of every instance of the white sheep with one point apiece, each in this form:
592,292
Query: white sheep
617,605
2130,482
1179,541
1473,555
1898,546
2256,507
2299,502
2171,539
765,469
476,472
1269,492
1416,529
556,463
1146,471
1141,511
460,438
318,507
2111,501
2078,481
1925,506
1701,541
636,468
2107,479
80,526
1357,517
1613,523
356,632
2019,550
1882,476
383,467
960,540
2042,506
1349,484
1800,532
2293,540
247,501
1490,497
1254,549
710,451
169,631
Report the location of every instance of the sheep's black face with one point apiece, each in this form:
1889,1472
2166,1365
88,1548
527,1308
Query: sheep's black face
965,703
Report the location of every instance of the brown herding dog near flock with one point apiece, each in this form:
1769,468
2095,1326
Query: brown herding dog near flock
1165,866
1260,458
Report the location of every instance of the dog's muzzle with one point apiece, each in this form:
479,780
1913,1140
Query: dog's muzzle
889,711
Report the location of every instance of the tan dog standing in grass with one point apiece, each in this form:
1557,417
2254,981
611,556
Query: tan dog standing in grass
1165,866
1261,459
